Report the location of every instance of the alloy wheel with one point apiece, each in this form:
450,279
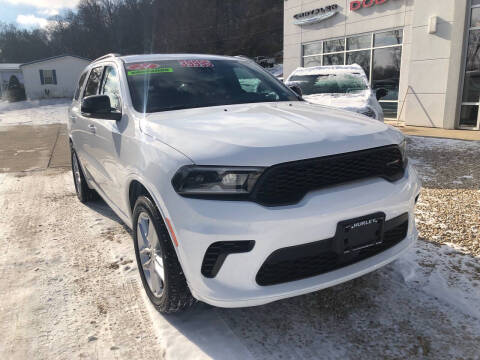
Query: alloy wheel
150,254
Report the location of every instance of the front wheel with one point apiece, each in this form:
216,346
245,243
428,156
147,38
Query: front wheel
84,193
161,273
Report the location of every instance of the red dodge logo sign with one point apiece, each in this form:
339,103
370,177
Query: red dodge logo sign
357,4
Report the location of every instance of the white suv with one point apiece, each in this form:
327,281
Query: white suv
238,192
340,86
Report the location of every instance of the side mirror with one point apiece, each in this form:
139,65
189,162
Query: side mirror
296,89
380,93
98,106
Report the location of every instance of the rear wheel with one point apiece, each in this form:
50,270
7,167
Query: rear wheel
84,193
161,273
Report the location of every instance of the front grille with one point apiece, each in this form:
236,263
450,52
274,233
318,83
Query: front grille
288,183
303,261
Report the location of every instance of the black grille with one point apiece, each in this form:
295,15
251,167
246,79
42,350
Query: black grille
217,252
288,183
303,261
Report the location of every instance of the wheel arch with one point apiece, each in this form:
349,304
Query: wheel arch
137,187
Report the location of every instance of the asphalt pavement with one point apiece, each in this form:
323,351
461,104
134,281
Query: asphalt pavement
33,148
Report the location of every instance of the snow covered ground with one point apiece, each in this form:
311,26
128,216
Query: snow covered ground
69,288
69,285
34,112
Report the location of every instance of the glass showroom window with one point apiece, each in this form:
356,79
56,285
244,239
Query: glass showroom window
379,54
471,82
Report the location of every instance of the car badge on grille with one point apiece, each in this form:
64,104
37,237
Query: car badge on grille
363,223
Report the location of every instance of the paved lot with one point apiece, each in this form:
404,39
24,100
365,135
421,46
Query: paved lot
30,148
470,135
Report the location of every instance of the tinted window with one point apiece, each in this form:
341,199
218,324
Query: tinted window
475,17
312,61
361,58
182,84
469,115
111,87
333,45
471,87
334,59
359,42
386,71
80,84
312,49
389,38
390,109
93,82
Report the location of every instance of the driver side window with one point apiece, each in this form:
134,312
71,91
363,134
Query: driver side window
111,87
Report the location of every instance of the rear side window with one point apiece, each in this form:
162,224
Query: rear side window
93,82
80,85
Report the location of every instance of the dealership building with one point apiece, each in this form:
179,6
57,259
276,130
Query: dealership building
425,53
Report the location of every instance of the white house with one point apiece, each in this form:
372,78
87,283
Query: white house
53,77
6,72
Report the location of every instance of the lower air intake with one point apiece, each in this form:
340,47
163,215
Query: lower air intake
303,261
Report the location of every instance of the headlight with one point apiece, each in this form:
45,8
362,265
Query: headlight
212,180
403,149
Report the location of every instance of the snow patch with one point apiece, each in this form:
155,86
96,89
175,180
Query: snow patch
349,101
34,112
444,273
328,70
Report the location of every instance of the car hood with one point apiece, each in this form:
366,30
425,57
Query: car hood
264,134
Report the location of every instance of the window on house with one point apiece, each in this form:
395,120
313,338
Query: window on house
48,77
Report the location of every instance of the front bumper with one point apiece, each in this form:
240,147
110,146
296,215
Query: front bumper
199,223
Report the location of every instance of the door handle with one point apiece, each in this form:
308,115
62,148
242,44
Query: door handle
92,129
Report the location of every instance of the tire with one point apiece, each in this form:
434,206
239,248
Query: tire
156,258
84,193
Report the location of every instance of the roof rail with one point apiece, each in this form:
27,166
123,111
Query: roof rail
106,56
244,57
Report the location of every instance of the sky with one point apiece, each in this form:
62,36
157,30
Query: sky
32,13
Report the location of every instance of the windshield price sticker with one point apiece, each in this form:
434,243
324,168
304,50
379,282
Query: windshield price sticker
150,71
142,66
196,63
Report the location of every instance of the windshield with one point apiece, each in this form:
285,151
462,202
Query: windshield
183,84
342,83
